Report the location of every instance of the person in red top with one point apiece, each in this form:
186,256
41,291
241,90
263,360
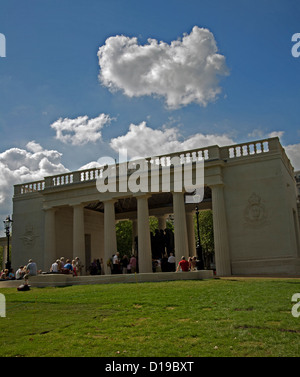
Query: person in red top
183,264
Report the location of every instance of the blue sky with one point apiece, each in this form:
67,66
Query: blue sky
51,71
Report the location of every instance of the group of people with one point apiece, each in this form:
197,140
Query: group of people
29,269
7,274
96,267
187,265
117,265
68,266
164,264
124,265
168,264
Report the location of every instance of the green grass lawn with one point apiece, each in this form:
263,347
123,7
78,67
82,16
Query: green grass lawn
219,317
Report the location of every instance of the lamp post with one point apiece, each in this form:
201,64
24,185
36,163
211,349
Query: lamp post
7,225
200,263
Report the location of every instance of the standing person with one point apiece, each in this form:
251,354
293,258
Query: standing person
172,263
79,266
98,266
124,262
116,263
31,268
183,264
133,263
61,264
74,267
109,264
102,266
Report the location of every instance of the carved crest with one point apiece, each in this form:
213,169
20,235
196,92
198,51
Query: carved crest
29,236
255,212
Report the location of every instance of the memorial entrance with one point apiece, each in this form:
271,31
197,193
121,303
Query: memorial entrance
249,187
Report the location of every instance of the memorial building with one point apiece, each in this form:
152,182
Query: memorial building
250,188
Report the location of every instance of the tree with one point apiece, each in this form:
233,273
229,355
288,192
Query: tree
206,235
124,237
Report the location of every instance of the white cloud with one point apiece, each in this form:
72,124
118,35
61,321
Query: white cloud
278,134
185,71
144,141
81,130
25,165
292,150
293,153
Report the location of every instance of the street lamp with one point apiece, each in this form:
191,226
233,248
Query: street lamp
200,263
7,225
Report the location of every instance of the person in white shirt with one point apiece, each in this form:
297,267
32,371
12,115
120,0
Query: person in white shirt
55,266
172,262
116,263
20,273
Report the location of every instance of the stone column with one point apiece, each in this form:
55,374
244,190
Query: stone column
180,229
191,233
110,239
222,253
78,235
49,239
144,242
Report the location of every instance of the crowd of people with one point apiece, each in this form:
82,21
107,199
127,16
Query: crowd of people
163,260
29,269
187,265
68,266
124,265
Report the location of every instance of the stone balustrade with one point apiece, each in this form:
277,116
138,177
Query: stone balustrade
211,153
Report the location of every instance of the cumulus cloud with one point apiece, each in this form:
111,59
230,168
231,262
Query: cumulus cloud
25,165
81,130
293,153
292,150
144,141
185,71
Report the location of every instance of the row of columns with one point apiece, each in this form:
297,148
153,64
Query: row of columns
184,236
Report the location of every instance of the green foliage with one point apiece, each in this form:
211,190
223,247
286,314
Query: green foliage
124,234
206,231
124,237
153,221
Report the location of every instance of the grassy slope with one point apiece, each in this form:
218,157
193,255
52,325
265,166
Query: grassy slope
221,317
